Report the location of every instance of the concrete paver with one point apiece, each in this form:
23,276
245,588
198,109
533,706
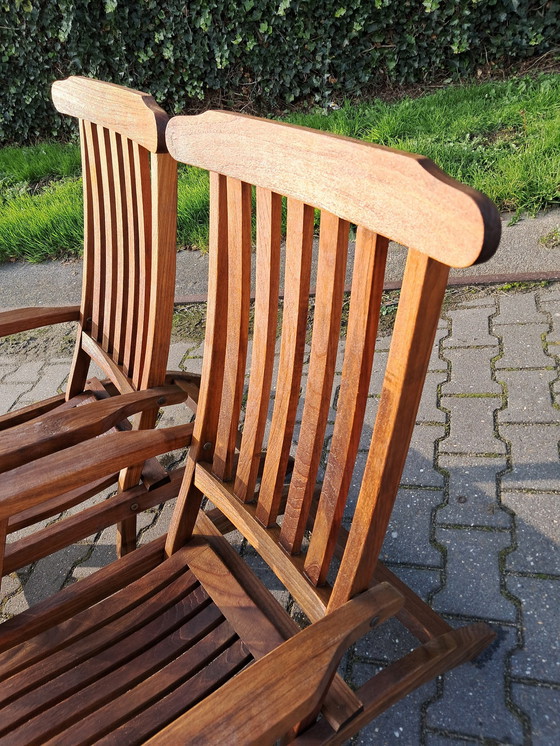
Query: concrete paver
475,529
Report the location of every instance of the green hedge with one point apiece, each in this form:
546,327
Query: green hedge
270,52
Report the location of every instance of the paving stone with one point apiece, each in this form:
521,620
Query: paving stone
528,396
473,702
419,469
50,382
6,370
471,371
542,705
428,411
485,300
534,455
473,574
408,533
435,739
469,328
9,395
471,425
378,372
537,528
550,293
518,308
553,308
472,492
26,373
436,362
50,573
177,352
522,347
540,656
402,723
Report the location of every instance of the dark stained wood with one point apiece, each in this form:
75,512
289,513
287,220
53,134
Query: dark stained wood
22,319
48,476
57,430
307,662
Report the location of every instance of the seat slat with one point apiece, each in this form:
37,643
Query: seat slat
67,699
239,291
98,640
331,273
269,217
51,625
299,245
367,286
151,718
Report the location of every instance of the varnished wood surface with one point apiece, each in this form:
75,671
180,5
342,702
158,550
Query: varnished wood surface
396,194
131,113
23,319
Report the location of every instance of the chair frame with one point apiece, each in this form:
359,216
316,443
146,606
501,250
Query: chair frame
274,498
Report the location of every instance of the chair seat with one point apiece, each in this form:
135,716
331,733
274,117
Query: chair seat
121,669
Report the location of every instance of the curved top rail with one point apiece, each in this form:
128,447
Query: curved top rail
131,113
404,197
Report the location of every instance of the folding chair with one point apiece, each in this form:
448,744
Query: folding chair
179,642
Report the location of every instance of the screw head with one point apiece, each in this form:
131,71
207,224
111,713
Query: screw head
134,507
161,400
207,446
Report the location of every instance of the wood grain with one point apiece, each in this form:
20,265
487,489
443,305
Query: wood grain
405,192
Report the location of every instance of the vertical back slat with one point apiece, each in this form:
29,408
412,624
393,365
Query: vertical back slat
121,226
133,253
367,286
299,245
98,229
239,292
415,327
331,273
269,218
109,239
163,265
143,197
80,362
208,409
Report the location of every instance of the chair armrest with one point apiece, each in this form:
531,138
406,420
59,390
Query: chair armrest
56,430
31,484
22,319
275,693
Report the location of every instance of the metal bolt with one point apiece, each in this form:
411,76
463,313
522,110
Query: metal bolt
207,446
374,622
134,507
161,400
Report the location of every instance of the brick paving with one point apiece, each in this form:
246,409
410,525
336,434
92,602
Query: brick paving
475,531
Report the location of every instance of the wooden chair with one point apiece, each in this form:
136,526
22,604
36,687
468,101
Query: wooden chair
124,319
156,647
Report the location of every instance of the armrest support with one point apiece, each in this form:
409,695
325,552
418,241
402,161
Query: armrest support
22,319
275,693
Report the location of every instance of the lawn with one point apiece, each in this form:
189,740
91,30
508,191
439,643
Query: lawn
500,137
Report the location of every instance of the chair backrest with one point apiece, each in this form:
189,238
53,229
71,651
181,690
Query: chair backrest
129,188
389,195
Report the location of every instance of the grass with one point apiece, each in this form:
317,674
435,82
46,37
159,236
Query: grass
501,137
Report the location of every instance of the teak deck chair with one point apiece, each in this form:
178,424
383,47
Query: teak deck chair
124,320
178,641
